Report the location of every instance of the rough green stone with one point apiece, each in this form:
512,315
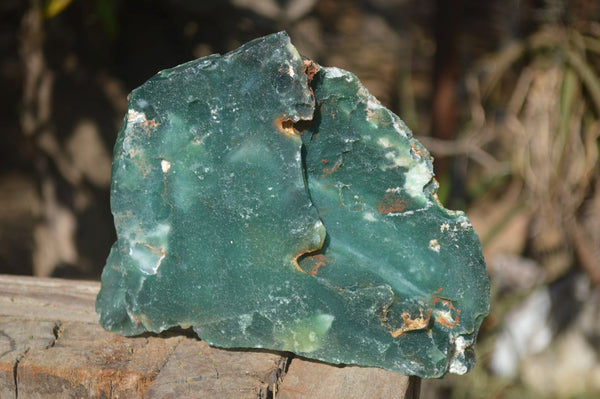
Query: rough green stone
321,237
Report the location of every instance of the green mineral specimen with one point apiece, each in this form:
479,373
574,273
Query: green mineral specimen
268,202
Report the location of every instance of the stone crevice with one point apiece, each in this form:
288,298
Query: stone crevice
299,128
56,331
16,372
277,377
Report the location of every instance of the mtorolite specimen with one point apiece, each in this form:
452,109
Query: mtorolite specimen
268,202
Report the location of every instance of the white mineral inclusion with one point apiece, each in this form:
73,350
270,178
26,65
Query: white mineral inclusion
369,216
306,335
384,142
457,363
320,233
129,146
135,117
323,322
165,165
142,103
245,321
291,71
434,245
417,177
149,249
335,73
418,173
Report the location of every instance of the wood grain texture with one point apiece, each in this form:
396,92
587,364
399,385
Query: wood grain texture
309,380
51,346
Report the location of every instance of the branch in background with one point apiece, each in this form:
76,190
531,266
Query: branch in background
462,147
587,75
589,256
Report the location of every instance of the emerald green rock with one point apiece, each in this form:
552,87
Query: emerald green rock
268,202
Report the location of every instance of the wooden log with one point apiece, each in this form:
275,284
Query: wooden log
307,380
51,346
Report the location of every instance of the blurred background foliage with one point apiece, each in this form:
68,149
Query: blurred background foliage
505,94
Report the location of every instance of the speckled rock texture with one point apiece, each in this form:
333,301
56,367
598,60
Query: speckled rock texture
268,202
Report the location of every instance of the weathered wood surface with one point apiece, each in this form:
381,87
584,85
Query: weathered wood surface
51,346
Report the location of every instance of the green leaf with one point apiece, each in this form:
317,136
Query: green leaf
55,7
